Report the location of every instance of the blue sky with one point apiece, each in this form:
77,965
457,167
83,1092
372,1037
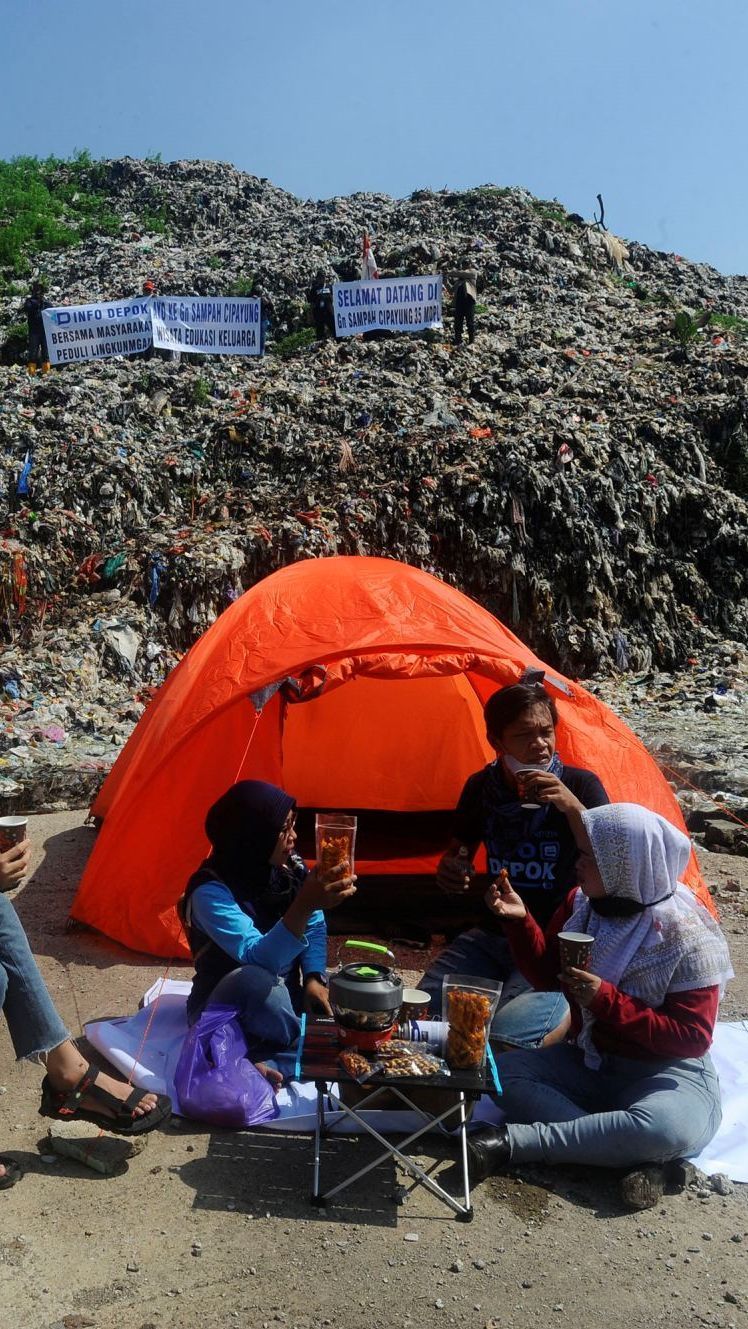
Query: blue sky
643,100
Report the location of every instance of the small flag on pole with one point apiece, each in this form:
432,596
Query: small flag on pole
368,260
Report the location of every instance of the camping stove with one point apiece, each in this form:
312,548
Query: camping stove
366,998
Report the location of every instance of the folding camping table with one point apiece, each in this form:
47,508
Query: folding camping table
318,1061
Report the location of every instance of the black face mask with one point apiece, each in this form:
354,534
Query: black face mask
612,906
616,906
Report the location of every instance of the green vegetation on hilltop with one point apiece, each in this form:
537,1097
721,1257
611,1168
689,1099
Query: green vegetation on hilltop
46,204
551,210
731,323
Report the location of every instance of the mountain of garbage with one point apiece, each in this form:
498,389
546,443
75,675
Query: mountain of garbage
581,469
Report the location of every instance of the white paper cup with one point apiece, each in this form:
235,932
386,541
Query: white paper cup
575,950
12,831
415,1004
523,778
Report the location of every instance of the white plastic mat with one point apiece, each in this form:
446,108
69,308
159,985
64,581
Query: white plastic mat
150,1062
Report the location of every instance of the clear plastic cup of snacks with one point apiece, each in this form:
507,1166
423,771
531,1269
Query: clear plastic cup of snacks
335,840
469,1005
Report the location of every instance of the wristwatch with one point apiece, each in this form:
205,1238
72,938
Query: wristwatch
321,978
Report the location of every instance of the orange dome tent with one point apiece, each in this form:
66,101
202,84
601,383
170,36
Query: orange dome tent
355,683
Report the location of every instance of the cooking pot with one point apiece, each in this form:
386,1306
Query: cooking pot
366,996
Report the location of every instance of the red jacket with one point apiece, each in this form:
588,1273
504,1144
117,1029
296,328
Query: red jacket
681,1027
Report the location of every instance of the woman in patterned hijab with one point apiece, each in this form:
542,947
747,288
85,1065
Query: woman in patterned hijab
635,1084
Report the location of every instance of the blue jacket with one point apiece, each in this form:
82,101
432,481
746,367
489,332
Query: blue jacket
224,933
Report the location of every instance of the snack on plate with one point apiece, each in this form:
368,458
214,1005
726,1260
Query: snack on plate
333,850
468,1014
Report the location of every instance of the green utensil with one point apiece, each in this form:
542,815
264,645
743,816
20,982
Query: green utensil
370,946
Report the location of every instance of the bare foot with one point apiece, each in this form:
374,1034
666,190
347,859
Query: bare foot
273,1077
66,1068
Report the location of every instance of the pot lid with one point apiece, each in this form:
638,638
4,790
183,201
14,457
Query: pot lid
366,987
366,973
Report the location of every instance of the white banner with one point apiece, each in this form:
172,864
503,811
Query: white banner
207,324
398,304
90,332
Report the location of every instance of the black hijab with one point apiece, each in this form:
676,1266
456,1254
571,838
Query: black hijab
243,828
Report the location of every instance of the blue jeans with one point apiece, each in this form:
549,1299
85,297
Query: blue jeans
626,1112
266,1014
33,1022
524,1017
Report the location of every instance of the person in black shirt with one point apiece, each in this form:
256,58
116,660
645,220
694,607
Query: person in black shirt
518,807
465,295
319,296
32,308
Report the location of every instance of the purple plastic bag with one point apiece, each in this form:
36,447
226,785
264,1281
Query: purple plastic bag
214,1080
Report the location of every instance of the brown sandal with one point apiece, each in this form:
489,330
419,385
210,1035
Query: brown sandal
67,1107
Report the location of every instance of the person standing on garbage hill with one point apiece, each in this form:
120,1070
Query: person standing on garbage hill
319,296
149,290
267,314
464,297
33,306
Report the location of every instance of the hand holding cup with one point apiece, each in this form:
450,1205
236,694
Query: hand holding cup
14,864
575,954
544,788
327,889
526,787
13,831
582,985
575,950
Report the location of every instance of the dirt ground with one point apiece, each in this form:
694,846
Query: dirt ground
213,1229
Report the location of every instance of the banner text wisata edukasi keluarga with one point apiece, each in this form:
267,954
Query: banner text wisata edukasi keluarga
218,325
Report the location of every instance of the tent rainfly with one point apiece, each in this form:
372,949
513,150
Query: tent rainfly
355,683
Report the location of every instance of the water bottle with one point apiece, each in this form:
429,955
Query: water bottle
463,861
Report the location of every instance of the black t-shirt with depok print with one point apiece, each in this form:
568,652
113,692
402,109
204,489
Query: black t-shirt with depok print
536,846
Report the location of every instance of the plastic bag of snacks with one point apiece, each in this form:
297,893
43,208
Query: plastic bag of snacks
469,1005
358,1066
402,1058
